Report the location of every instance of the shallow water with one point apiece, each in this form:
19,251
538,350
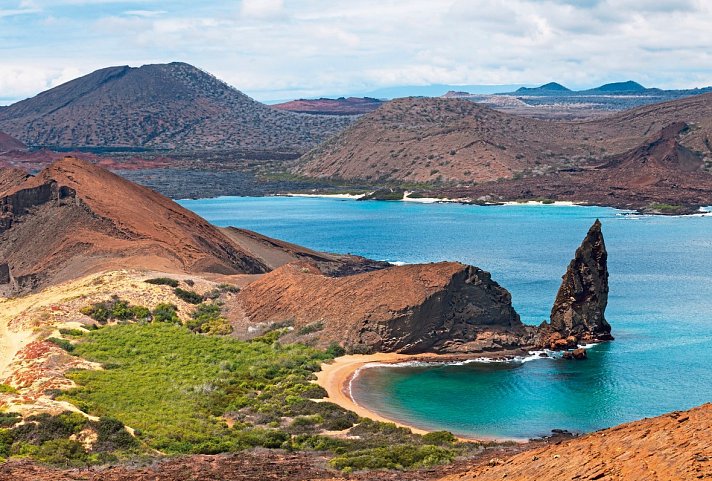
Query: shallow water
660,307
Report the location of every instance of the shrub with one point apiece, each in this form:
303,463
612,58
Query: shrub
62,452
206,318
112,435
439,438
115,308
402,456
165,312
163,281
7,420
41,428
190,297
141,313
335,350
7,389
5,443
310,328
72,332
63,343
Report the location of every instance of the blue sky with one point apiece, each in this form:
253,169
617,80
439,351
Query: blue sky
278,49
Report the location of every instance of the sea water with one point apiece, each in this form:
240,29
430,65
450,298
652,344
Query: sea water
660,307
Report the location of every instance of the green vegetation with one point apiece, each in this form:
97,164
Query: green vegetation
72,332
310,328
7,389
188,296
46,438
115,309
208,319
184,387
666,208
163,281
63,343
165,312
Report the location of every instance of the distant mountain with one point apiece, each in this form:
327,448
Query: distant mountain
620,87
324,106
434,90
458,141
551,87
162,106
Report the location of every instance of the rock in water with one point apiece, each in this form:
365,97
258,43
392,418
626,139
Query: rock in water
582,298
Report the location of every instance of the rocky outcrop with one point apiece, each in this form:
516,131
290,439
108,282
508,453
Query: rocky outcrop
445,307
578,314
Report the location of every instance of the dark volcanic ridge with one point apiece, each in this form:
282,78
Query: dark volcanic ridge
162,106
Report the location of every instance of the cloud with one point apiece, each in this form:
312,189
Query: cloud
271,48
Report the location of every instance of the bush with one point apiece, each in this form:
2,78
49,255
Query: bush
41,428
72,332
63,343
335,350
165,312
207,318
5,443
188,296
7,389
115,309
62,452
310,328
439,438
112,435
163,281
7,420
402,456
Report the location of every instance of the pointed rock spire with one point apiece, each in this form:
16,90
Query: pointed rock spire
579,309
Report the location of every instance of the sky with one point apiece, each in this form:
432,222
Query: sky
283,49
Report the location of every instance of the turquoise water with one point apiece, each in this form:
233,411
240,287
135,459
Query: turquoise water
660,307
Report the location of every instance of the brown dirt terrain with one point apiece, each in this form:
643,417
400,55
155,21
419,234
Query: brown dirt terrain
661,175
459,142
672,447
8,143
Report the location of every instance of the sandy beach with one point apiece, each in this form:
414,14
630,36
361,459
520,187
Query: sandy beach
334,377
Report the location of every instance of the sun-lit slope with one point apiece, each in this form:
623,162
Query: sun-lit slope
675,446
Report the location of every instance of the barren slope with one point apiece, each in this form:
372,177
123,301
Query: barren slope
418,139
675,446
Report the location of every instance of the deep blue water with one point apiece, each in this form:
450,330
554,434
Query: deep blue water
660,307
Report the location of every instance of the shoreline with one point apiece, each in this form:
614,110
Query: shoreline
335,377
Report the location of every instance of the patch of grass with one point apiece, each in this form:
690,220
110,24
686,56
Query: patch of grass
163,281
190,297
666,208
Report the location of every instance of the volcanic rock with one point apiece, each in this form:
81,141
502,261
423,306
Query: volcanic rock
578,314
8,143
441,307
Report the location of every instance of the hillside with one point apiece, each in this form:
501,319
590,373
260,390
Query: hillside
340,106
673,446
162,106
8,143
100,221
456,141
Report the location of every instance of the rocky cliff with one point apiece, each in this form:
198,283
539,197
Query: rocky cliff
443,307
578,314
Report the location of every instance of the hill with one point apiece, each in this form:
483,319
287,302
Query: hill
340,106
454,141
619,88
162,106
8,143
550,88
100,221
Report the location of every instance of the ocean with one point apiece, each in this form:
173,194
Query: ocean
660,307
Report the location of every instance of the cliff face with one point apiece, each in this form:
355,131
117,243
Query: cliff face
443,307
580,305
